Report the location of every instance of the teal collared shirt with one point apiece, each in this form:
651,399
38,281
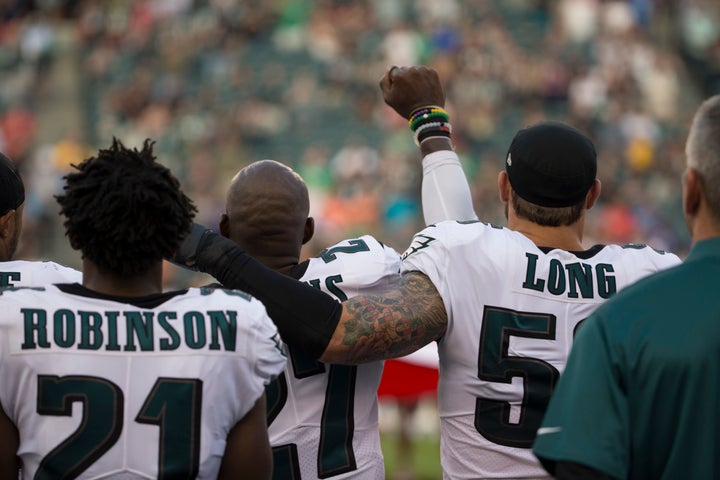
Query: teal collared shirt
639,397
704,249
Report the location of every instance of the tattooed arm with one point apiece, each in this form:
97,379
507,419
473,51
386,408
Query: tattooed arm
405,318
396,323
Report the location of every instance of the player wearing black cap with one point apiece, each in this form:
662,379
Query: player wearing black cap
552,164
502,303
21,272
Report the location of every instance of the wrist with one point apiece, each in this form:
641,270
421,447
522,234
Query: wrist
213,252
431,129
430,113
435,144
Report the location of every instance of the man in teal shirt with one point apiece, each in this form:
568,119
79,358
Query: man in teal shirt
640,396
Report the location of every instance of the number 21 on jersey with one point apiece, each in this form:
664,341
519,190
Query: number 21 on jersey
173,404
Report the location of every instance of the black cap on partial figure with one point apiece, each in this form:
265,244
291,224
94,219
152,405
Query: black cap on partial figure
12,190
551,164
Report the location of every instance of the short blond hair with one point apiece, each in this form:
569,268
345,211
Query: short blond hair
546,216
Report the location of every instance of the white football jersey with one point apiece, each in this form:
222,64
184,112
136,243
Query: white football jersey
105,389
323,419
17,273
513,310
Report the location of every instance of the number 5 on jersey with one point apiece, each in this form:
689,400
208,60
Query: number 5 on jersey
492,416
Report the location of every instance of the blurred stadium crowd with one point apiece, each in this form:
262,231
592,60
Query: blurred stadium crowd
221,83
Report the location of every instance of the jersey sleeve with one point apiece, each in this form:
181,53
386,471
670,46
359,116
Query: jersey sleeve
264,359
587,420
18,273
445,190
656,260
428,254
358,266
64,274
269,357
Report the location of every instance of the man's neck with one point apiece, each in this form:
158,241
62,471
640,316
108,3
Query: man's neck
703,227
280,264
565,238
147,283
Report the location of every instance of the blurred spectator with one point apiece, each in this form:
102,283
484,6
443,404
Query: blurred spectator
221,83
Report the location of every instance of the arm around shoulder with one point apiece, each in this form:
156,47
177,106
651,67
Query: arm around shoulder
309,328
405,318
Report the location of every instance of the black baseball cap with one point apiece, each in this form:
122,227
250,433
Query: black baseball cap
551,164
12,190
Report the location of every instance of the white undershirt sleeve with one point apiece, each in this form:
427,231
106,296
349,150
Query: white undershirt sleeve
445,189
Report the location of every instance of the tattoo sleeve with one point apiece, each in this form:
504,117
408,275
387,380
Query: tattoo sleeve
391,325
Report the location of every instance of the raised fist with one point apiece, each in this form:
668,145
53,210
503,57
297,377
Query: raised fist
406,89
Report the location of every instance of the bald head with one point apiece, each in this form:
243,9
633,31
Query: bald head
267,210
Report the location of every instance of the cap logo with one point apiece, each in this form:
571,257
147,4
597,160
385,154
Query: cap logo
509,160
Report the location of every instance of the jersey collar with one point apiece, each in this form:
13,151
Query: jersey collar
147,301
582,254
704,249
299,270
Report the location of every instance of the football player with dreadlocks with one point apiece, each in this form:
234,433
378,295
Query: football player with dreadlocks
114,377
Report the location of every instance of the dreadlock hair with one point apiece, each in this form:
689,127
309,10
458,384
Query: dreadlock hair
123,210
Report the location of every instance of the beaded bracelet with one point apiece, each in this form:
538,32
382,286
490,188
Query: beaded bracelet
425,126
440,132
436,117
429,121
425,115
442,129
423,110
432,126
